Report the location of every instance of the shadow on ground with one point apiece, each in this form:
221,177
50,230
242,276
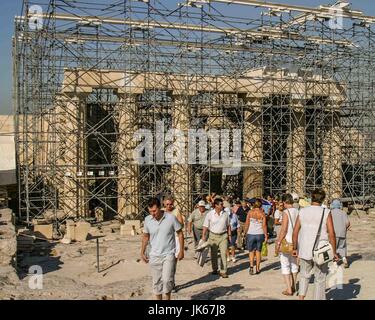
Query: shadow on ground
346,291
41,257
354,257
217,292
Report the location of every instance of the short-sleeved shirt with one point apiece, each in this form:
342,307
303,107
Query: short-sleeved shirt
292,214
340,222
162,234
217,223
197,218
234,223
174,212
267,209
279,215
310,218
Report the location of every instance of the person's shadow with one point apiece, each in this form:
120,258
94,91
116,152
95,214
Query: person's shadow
346,291
354,257
217,292
205,279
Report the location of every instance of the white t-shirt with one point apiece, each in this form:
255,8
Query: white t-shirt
309,218
278,215
292,214
217,223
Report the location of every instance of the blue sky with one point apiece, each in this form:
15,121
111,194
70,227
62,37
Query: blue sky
11,8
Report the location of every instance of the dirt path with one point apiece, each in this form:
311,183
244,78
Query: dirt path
70,273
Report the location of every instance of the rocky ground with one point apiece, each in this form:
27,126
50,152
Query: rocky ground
70,272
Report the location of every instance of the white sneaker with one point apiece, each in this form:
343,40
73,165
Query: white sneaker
228,259
234,259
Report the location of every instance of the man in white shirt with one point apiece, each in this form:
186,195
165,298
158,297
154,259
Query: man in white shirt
218,224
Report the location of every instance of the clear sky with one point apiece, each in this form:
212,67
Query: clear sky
11,8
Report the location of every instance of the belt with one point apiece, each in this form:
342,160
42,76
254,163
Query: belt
218,234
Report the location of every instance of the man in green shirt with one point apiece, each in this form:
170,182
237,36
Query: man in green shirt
196,221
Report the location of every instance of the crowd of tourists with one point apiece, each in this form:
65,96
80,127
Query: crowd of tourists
307,235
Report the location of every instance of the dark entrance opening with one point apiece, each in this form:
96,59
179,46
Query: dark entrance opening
102,135
216,177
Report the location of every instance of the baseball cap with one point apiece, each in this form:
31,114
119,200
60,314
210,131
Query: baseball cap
201,203
336,204
295,196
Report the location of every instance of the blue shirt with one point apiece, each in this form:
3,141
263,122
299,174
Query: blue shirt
233,221
266,208
162,234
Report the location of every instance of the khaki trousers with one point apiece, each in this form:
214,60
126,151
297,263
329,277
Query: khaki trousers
241,237
219,242
320,274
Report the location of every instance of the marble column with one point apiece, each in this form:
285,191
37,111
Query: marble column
72,155
252,149
181,179
332,159
296,170
128,169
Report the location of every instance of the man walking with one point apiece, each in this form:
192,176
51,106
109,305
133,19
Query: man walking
242,215
341,224
170,208
218,224
159,229
196,221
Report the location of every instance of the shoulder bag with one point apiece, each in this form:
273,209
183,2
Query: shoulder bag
324,253
286,247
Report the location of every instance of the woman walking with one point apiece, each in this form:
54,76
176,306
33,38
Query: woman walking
341,224
256,231
313,230
284,245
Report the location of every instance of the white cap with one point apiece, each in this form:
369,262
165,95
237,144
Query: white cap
295,196
201,203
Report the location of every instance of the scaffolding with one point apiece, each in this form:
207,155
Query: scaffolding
297,81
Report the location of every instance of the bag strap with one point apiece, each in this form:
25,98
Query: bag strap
290,218
320,227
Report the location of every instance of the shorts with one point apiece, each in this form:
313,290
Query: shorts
233,239
288,264
255,241
163,269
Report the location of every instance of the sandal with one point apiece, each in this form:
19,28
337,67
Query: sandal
286,293
251,271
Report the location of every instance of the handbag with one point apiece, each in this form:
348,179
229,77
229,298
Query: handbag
264,251
323,254
287,247
202,256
